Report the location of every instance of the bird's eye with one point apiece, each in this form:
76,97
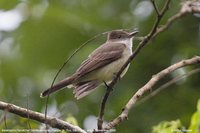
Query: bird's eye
119,36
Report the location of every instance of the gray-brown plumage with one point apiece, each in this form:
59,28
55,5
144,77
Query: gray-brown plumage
100,66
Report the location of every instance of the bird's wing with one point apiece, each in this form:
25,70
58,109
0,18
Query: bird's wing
101,57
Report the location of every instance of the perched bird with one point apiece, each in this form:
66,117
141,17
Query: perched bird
100,66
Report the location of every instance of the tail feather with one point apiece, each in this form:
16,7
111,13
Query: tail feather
57,87
82,90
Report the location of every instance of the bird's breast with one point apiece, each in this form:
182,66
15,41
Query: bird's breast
107,72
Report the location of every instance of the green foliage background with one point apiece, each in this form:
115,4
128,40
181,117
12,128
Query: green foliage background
52,29
176,126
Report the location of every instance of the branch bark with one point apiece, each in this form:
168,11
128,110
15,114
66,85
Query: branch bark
147,87
145,40
166,85
187,7
52,121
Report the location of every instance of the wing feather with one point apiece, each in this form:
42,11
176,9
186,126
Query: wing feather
101,57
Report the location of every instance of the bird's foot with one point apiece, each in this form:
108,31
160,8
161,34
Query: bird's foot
116,76
107,86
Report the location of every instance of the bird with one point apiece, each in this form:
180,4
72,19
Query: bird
101,66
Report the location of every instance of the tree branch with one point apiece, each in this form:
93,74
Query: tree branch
135,52
101,113
155,7
166,85
147,87
187,7
52,121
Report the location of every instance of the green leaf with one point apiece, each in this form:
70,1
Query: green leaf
195,121
168,127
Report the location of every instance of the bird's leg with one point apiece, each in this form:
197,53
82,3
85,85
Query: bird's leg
115,76
107,86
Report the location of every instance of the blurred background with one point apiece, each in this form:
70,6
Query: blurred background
37,36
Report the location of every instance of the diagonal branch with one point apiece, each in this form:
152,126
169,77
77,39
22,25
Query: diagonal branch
52,121
187,8
101,113
147,87
166,85
137,50
155,7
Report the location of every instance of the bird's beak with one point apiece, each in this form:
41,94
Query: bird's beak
133,33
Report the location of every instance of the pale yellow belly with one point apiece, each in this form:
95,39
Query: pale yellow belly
108,72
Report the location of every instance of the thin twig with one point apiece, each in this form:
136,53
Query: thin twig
147,87
155,7
166,85
187,7
52,121
101,113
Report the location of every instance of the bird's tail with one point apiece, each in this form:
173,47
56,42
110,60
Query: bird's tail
57,86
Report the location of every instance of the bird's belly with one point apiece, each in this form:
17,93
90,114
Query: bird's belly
108,72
